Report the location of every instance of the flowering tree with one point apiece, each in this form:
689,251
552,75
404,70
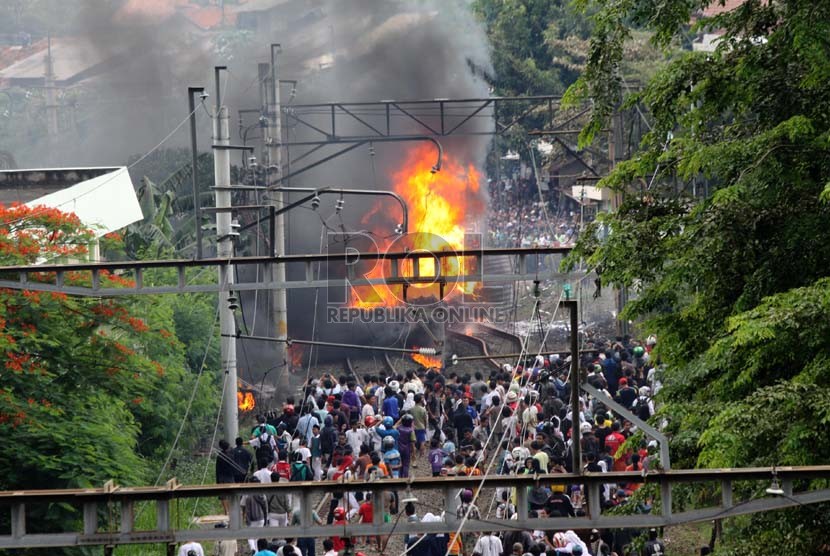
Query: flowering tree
90,389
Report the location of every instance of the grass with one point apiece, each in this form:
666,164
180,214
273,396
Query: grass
686,540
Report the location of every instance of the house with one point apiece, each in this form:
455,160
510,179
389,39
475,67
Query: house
707,41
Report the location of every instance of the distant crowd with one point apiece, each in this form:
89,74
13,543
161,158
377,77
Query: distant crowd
425,422
520,217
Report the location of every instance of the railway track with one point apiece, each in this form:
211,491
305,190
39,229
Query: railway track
483,339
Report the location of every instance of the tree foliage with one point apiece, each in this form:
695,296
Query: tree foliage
734,283
91,389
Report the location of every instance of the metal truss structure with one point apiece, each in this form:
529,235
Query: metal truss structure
108,513
351,125
89,279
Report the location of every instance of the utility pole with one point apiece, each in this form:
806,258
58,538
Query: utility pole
194,182
274,173
51,98
225,250
576,436
614,134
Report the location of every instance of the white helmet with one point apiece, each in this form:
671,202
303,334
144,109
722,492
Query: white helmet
645,391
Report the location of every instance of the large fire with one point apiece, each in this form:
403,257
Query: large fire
245,401
440,204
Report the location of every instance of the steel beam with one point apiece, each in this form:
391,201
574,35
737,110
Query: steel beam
642,425
91,499
35,277
448,525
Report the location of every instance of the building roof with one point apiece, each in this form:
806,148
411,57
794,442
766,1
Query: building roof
720,6
73,59
207,17
22,186
103,198
11,54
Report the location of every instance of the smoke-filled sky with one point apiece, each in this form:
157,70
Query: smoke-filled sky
382,49
373,49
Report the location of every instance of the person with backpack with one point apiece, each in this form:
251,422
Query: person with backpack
265,444
300,470
626,394
644,406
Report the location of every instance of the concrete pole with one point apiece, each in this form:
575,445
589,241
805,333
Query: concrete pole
576,448
224,250
280,303
51,97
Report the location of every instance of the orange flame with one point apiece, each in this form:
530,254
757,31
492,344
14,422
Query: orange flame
440,205
428,361
295,356
245,401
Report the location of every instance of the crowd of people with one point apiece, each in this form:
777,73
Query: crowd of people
520,217
512,421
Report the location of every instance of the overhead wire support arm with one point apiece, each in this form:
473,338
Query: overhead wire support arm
353,143
290,341
359,192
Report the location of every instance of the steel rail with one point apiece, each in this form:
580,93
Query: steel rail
120,502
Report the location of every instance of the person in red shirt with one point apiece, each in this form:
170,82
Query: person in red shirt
612,444
367,515
339,519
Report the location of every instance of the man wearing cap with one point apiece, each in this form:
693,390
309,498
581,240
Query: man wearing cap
626,394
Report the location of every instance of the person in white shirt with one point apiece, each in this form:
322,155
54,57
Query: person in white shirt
488,544
191,549
357,436
368,409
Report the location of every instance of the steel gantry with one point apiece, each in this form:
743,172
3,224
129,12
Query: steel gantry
108,513
89,279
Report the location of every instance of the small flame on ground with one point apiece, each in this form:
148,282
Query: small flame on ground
245,401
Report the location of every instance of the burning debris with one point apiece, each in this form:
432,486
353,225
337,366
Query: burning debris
442,205
245,401
428,361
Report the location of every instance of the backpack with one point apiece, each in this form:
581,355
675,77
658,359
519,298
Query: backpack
641,407
300,473
264,451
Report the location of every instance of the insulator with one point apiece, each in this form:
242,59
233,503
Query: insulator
426,351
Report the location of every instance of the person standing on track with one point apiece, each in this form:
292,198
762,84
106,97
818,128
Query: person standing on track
419,423
406,441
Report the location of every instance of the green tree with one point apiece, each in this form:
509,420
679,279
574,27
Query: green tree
538,45
735,283
91,389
